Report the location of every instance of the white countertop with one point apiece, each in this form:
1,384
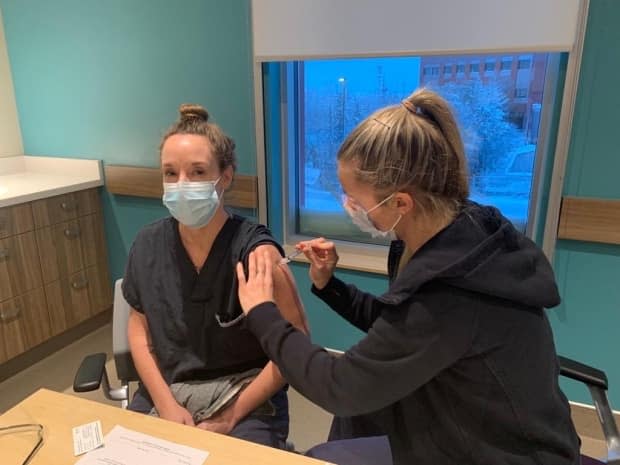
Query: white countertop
25,178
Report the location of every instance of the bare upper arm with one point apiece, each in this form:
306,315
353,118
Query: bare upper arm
137,329
285,291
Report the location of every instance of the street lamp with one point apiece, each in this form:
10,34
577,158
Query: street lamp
343,98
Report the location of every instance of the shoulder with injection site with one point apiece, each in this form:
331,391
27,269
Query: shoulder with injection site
286,295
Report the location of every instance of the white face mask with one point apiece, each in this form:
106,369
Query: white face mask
359,216
192,203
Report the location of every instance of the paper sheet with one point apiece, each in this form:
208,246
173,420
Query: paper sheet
123,446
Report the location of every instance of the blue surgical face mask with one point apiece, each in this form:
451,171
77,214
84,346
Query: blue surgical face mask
192,203
359,216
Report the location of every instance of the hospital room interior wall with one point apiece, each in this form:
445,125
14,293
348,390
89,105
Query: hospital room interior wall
104,80
587,323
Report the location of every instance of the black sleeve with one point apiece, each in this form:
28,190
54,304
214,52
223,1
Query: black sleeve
255,235
403,350
359,308
131,293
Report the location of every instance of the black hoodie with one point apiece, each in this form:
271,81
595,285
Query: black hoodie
458,365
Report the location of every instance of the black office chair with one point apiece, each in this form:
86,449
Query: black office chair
92,374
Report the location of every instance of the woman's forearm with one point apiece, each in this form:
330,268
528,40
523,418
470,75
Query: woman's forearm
145,362
262,388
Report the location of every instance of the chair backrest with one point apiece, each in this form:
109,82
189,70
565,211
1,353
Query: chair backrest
120,345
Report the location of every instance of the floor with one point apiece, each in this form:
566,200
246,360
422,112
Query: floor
309,423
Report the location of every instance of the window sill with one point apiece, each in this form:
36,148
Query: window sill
372,259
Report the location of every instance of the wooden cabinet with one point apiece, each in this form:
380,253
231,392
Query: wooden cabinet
53,269
15,220
24,323
20,270
54,210
76,298
68,247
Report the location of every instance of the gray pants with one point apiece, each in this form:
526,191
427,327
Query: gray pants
203,399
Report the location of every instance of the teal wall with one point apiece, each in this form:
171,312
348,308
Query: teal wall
103,79
587,324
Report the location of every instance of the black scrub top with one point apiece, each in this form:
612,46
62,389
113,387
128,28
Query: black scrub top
195,320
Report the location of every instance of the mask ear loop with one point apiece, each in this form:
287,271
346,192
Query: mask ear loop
27,426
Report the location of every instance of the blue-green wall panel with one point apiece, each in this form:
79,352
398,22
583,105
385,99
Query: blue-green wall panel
587,322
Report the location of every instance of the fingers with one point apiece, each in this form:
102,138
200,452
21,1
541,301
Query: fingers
319,245
251,265
241,276
187,419
267,270
318,251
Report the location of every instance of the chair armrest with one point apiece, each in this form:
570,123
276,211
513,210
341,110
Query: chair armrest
596,380
90,373
584,373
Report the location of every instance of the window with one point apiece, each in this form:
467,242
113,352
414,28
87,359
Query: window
521,92
474,68
524,63
326,99
447,70
506,65
489,66
431,72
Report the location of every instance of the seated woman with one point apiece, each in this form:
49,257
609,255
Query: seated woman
198,363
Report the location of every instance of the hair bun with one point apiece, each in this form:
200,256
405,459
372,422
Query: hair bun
188,111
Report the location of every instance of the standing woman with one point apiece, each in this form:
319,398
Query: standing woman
458,365
197,362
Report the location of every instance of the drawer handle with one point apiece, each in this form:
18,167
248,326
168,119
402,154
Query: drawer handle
4,254
73,231
69,205
80,283
9,315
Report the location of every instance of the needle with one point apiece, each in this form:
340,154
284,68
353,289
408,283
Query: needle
290,257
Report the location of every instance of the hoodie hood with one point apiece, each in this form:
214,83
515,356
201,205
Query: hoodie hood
479,251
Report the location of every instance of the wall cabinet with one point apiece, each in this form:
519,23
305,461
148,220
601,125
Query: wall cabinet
53,269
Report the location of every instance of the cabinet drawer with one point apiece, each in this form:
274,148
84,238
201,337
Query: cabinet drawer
76,298
68,247
54,210
16,219
24,323
20,270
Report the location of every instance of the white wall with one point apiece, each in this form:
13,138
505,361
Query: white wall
10,135
303,29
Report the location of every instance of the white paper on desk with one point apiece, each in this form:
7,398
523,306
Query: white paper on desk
127,447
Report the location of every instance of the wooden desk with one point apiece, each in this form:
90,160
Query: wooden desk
59,413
